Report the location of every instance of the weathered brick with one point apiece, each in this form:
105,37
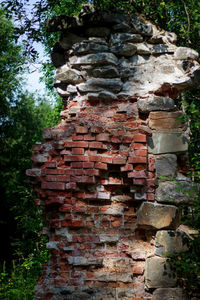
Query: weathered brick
139,181
140,152
71,186
79,144
119,160
88,165
137,159
53,185
89,137
102,137
76,165
77,137
96,145
94,158
91,172
101,166
106,159
127,167
137,174
81,129
75,158
78,151
141,138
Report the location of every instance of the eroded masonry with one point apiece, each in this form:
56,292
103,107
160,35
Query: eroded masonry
103,176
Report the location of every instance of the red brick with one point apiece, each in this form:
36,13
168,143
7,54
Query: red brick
137,174
89,137
54,200
65,208
102,137
79,144
55,171
141,152
76,165
37,147
151,165
101,166
77,137
116,139
78,209
79,171
139,181
90,196
91,172
150,182
127,139
88,165
96,129
69,172
81,129
106,159
88,179
77,151
103,195
150,196
139,146
140,167
71,186
53,185
62,178
75,158
119,160
115,181
94,158
51,164
137,159
96,145
127,167
141,138
76,179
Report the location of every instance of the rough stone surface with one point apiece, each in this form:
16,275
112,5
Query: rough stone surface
98,31
169,294
167,143
88,47
124,49
158,273
105,72
166,165
174,192
100,84
65,74
157,216
170,242
155,103
94,59
166,120
186,53
125,37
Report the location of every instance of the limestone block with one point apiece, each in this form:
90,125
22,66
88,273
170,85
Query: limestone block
103,58
173,192
166,120
169,294
88,47
163,37
65,74
161,142
83,261
97,31
155,103
186,53
143,49
166,165
158,273
170,242
104,95
156,216
105,72
125,37
100,84
124,49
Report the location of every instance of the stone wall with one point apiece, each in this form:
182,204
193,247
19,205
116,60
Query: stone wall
103,176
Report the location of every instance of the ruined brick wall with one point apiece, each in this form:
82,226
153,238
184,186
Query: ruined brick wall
103,175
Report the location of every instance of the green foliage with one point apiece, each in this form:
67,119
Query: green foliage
18,282
187,264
